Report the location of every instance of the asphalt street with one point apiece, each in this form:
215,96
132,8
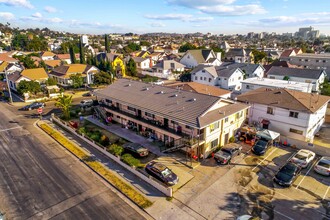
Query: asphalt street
40,180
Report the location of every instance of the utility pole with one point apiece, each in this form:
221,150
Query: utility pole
10,97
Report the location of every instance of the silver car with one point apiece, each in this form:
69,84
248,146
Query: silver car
303,158
323,166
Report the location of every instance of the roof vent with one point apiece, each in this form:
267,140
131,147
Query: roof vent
129,84
147,88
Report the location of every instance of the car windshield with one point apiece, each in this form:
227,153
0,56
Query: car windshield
300,157
288,169
166,172
261,143
325,164
227,150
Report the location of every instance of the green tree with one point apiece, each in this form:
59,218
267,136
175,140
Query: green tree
77,80
81,52
187,46
325,88
28,87
106,43
134,46
72,55
103,78
145,43
116,149
286,78
131,67
64,103
259,56
51,82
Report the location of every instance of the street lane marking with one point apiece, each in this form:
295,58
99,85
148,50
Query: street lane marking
306,174
7,129
263,160
326,192
283,215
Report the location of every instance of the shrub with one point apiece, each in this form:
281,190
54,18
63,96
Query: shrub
232,139
82,130
95,137
130,160
104,141
116,149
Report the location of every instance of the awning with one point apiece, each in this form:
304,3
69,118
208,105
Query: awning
265,122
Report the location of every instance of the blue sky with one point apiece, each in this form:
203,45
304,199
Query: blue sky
179,16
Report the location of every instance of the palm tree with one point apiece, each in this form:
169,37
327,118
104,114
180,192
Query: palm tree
64,103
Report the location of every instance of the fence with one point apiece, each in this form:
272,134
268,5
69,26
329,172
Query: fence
166,190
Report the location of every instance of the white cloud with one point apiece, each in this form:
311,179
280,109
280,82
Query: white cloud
97,25
17,3
196,3
7,16
50,9
233,9
181,17
220,7
37,15
156,24
42,19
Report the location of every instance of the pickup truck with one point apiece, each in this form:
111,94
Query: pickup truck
227,153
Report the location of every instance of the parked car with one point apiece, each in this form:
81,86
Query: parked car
261,146
137,149
86,103
227,153
87,94
34,105
323,166
287,174
159,82
162,173
303,158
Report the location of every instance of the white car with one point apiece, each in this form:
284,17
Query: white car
303,158
323,166
159,82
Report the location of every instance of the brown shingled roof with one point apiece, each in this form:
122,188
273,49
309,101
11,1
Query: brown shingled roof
285,98
35,74
199,88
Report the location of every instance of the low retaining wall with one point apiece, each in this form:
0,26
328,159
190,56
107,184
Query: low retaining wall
304,145
166,190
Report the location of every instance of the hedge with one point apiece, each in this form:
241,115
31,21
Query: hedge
99,168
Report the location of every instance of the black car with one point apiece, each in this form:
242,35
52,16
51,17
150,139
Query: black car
261,146
228,152
287,174
32,106
137,149
162,173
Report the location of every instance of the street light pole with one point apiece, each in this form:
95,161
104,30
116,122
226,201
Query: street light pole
10,97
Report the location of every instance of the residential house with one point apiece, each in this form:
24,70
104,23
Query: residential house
7,58
193,122
239,55
47,55
193,58
294,114
51,64
279,63
142,63
65,58
256,83
142,54
223,77
250,70
116,60
200,88
312,76
167,69
36,74
310,61
9,67
62,73
287,54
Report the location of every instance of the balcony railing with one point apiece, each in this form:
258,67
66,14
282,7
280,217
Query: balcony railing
156,124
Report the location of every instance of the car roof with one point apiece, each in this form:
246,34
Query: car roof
325,160
305,152
159,166
290,165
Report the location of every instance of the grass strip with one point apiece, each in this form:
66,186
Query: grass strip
98,167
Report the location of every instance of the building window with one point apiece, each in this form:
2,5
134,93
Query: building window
324,61
214,143
196,78
296,131
131,108
225,78
149,115
237,116
188,127
188,57
201,78
293,114
108,101
203,71
270,110
226,120
317,61
204,78
239,78
308,81
214,126
272,77
210,79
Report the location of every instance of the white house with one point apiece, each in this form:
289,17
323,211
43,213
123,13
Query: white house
142,63
225,78
193,58
256,83
250,70
293,114
313,76
167,69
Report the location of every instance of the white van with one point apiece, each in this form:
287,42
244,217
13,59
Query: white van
86,103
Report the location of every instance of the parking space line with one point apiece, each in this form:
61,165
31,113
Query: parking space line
326,192
306,173
7,129
283,215
264,159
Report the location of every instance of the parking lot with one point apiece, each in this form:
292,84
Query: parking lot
309,194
